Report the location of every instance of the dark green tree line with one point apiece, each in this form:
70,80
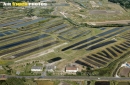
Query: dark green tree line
124,3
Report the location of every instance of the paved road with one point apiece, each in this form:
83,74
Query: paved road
83,78
72,78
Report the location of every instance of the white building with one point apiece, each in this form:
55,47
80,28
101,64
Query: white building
36,68
71,69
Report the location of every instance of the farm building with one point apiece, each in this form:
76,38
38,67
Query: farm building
71,69
36,68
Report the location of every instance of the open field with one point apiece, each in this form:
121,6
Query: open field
44,82
123,83
124,72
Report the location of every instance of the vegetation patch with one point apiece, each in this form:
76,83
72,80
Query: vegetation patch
44,82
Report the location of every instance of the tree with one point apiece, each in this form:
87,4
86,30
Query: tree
78,73
49,73
4,83
1,5
88,68
23,79
92,82
113,82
